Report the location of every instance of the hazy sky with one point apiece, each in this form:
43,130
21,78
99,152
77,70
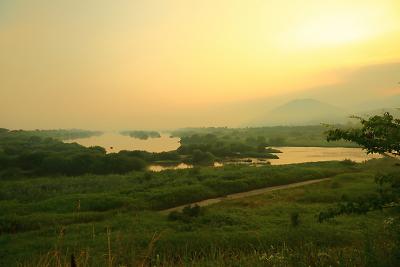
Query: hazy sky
159,63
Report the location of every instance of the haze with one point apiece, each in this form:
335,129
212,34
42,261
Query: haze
166,64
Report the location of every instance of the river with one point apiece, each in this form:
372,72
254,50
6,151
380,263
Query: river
291,155
115,142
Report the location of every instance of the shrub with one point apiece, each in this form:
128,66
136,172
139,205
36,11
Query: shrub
186,215
295,219
191,211
203,158
348,162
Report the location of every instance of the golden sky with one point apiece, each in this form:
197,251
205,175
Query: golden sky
94,63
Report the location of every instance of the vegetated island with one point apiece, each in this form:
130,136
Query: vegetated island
208,148
286,136
143,135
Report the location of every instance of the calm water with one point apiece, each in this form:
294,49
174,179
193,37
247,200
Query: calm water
115,142
292,155
314,154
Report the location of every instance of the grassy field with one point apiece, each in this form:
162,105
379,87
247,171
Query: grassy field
113,220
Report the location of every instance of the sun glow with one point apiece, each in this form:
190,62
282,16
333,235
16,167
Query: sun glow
176,59
332,31
339,26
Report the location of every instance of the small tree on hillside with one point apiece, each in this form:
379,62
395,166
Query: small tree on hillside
377,134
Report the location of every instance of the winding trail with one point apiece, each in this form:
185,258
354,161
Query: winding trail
250,193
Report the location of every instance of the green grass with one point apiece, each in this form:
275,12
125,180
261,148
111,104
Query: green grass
144,190
47,219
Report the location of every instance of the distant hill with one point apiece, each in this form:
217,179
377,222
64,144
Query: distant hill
364,90
304,112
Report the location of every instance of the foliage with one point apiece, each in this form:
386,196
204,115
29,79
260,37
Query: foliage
46,219
388,195
23,200
196,145
55,134
378,134
295,219
307,136
144,135
186,215
47,222
26,154
202,158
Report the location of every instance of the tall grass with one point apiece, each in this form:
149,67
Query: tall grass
45,230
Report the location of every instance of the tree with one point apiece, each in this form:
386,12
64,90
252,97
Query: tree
378,134
203,158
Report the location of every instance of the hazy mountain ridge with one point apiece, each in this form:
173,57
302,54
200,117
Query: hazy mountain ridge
304,112
309,111
368,90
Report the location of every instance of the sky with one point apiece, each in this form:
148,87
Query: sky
98,64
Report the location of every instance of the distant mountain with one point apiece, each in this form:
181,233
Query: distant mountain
304,112
369,87
364,90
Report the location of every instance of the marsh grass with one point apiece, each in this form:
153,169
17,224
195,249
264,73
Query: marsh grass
254,231
283,254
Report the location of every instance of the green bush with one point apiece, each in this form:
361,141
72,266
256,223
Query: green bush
294,219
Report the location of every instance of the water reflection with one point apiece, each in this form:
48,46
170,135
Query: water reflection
158,168
291,155
115,142
163,167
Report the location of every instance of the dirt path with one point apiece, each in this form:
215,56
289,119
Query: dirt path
255,192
